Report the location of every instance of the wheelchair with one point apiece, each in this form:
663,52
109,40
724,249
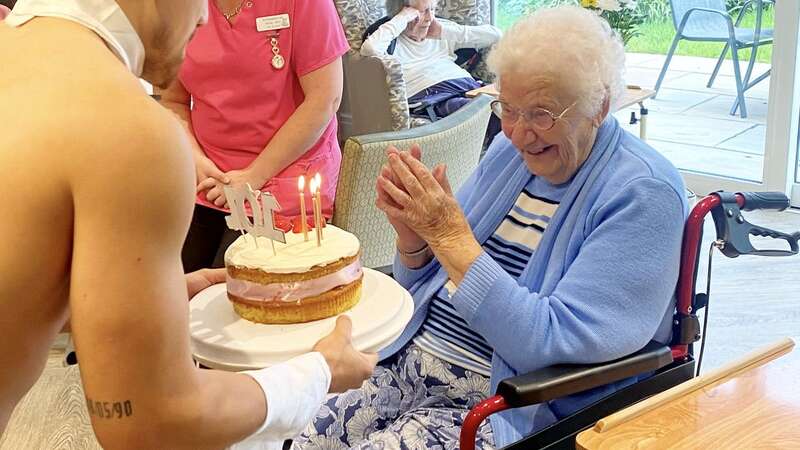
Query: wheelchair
670,365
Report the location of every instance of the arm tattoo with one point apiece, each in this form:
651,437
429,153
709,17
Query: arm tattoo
109,410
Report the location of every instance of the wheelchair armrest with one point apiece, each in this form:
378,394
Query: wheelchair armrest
565,379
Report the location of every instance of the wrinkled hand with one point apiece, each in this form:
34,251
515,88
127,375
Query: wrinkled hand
422,200
435,30
349,367
407,239
236,178
200,279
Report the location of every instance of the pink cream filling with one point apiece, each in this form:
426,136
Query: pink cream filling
296,290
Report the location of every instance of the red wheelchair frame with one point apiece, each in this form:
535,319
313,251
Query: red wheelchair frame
671,364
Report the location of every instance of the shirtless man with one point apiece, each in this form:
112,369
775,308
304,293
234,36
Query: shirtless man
99,202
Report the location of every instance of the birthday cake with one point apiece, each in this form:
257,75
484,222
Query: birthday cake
297,282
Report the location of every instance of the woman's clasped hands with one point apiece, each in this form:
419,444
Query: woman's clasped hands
419,202
214,184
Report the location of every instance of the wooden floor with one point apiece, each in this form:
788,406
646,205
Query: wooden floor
754,301
53,414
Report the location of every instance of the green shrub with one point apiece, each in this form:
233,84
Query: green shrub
655,10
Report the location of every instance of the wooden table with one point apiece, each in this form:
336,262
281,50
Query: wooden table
633,95
756,407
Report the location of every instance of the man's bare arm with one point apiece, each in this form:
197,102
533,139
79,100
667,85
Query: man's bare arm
133,197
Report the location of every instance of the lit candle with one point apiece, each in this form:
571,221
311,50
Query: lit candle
313,186
301,185
321,219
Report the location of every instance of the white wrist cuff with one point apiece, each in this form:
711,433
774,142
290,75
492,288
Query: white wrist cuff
294,392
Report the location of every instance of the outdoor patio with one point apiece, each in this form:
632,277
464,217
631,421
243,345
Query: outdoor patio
690,123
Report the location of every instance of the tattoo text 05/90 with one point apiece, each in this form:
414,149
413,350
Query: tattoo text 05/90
109,410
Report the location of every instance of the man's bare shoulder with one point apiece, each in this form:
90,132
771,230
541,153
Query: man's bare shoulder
127,125
133,143
91,120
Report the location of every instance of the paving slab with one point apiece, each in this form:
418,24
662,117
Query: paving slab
645,60
722,85
690,64
679,63
711,160
689,129
719,106
677,101
647,78
750,141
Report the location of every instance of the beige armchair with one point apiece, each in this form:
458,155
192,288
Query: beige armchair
374,97
455,140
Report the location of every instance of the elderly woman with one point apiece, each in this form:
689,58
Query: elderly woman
425,46
563,247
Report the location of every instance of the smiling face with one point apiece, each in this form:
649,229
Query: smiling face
557,153
418,29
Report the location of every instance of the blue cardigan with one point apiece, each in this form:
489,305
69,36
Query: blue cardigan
599,286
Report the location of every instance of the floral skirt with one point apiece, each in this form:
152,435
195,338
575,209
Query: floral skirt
413,401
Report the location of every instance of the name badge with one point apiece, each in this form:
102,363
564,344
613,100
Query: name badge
270,23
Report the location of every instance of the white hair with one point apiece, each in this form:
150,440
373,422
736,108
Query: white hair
393,7
567,43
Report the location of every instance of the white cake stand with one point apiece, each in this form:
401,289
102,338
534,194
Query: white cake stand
223,340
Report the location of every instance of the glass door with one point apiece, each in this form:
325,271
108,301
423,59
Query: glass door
690,122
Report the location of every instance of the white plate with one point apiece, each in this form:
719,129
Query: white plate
223,340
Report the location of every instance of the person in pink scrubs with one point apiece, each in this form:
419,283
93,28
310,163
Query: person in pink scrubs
258,93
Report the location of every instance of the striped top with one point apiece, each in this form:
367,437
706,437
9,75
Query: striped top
444,333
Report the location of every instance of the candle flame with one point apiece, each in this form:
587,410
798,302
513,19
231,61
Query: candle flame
301,183
313,185
318,182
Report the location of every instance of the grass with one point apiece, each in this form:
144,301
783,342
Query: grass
504,20
656,37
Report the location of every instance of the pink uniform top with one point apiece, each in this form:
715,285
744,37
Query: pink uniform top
240,100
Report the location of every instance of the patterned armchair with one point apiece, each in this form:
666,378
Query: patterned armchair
374,97
454,140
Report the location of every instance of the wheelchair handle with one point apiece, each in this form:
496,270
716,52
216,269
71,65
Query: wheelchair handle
791,239
735,230
777,201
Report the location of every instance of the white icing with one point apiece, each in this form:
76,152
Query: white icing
296,255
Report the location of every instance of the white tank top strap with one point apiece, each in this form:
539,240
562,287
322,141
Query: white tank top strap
104,17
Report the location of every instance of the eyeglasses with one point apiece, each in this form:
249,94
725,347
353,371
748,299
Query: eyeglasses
539,118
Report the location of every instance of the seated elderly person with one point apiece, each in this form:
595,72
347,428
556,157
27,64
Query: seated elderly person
425,47
562,247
